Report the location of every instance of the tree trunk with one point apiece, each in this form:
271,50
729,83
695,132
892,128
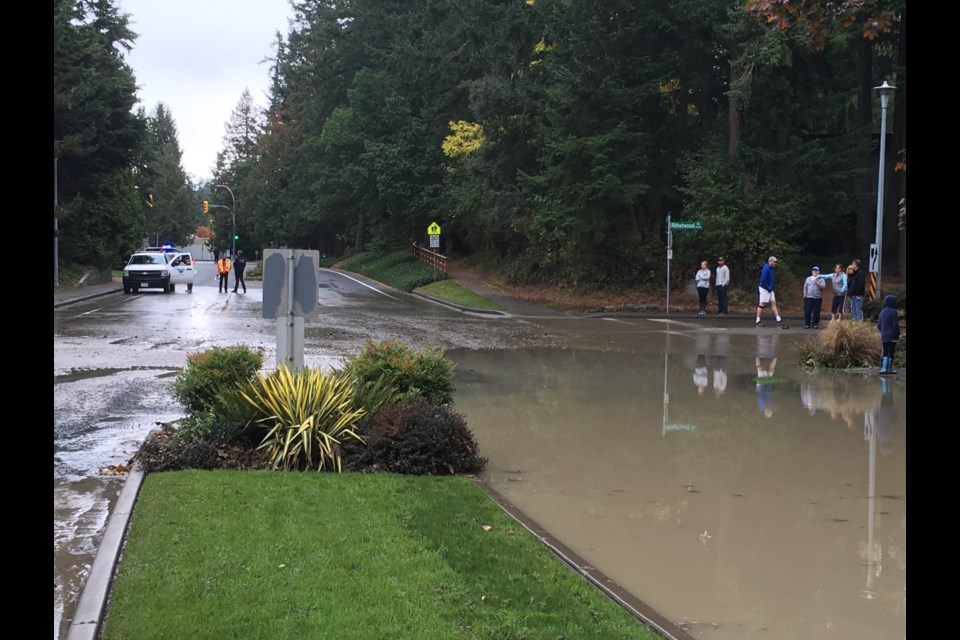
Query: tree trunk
734,114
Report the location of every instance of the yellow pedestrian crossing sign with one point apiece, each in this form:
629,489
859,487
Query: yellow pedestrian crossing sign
433,229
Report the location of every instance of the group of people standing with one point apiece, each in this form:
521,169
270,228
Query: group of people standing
720,284
846,283
224,266
849,282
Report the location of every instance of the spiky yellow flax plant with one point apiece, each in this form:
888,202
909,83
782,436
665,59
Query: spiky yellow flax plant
308,413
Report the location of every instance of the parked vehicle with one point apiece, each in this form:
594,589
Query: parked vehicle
156,267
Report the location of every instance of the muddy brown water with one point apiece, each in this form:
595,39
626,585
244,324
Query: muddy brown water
676,484
641,444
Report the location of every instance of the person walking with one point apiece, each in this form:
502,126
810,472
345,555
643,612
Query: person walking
838,280
813,288
856,288
223,271
238,266
720,283
888,322
703,286
767,295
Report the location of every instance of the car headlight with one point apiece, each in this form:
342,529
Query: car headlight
126,273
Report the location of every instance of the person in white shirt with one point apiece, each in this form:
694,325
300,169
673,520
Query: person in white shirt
720,284
703,287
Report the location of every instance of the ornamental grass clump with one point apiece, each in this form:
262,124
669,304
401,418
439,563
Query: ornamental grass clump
410,373
844,344
307,415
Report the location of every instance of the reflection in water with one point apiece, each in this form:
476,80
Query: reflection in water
725,522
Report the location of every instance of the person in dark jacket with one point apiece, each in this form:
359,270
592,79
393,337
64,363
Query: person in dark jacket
239,264
856,287
889,324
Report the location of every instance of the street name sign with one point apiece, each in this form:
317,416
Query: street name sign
682,225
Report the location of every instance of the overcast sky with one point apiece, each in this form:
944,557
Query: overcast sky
196,57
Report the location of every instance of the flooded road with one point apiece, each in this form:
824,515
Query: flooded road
740,511
643,445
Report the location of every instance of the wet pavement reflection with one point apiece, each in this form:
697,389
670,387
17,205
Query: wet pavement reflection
737,494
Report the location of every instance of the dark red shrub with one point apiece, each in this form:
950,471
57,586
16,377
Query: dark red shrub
418,438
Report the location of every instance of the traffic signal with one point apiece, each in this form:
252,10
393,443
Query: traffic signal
236,237
206,206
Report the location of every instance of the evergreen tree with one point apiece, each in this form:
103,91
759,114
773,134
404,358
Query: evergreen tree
163,184
96,135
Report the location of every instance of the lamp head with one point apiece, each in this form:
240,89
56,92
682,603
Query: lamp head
885,92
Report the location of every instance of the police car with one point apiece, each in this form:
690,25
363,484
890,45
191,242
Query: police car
159,267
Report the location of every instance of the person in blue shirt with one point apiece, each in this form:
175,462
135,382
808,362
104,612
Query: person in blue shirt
766,292
838,279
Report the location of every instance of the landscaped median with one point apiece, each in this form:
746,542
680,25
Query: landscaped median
265,554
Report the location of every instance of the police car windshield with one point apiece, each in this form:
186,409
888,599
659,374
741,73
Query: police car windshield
147,258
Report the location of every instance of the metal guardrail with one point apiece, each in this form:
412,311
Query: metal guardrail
430,258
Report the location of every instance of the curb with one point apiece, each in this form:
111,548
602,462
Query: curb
81,298
88,616
640,610
487,312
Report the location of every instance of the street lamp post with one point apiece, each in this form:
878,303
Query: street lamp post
233,219
885,92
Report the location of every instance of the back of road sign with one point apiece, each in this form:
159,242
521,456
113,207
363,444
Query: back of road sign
280,281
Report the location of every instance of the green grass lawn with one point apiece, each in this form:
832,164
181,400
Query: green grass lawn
452,291
274,555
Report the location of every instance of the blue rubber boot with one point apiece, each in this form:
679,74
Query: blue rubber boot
890,369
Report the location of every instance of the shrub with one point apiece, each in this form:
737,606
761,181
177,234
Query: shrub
872,308
306,413
842,345
900,355
410,373
211,377
216,429
418,438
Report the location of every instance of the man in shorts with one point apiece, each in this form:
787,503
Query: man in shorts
766,292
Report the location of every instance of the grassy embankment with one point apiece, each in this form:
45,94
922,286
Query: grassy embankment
401,270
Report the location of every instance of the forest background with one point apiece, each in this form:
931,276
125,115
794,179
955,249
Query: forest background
550,139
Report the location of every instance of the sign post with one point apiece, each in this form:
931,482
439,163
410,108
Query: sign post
291,284
679,225
669,258
433,230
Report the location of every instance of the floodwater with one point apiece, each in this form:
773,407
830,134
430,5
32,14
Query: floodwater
100,419
643,445
739,511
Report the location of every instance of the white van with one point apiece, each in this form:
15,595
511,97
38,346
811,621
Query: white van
158,268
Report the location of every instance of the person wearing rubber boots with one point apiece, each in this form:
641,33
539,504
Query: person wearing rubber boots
888,322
